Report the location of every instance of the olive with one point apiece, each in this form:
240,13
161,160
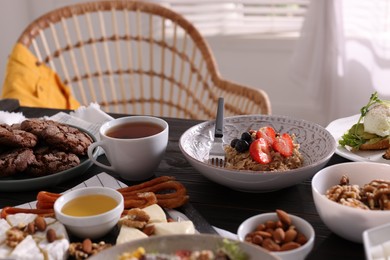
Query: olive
242,146
247,137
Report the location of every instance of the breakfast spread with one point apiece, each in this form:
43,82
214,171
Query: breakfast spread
143,216
149,221
38,147
263,150
372,130
374,195
29,236
278,235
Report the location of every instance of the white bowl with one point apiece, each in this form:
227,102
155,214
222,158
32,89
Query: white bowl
377,242
94,226
317,146
171,243
302,225
345,221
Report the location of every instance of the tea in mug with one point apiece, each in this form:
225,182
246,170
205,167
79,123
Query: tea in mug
132,130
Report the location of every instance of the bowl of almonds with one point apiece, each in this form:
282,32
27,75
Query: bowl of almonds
284,235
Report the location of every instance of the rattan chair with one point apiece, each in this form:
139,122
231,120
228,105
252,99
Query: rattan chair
138,58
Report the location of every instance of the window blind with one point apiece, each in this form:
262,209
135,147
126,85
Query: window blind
219,17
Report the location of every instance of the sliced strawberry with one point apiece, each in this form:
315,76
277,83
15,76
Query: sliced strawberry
183,253
268,133
259,151
284,145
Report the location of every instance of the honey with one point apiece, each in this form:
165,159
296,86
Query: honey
89,205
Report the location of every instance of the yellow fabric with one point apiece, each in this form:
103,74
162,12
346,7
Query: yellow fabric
35,85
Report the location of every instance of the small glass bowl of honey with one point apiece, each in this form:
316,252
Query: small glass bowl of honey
89,212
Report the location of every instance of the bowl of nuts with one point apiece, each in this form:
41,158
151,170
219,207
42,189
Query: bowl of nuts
284,235
352,197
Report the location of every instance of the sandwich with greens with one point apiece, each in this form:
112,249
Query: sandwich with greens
372,130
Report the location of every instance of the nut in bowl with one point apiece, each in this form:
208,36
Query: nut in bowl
89,212
351,212
285,235
316,146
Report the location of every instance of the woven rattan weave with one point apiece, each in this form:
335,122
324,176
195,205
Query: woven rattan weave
138,58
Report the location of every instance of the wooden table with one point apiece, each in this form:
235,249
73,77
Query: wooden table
220,206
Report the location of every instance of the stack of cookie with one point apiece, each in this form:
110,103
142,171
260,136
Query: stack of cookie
38,147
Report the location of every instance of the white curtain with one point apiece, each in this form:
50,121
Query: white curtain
343,54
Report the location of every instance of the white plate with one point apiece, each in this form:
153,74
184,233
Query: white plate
338,127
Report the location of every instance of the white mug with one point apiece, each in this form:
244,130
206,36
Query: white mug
133,157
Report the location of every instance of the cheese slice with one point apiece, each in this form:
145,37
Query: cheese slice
22,219
4,226
171,228
156,214
27,249
4,251
56,250
57,227
127,234
34,246
50,221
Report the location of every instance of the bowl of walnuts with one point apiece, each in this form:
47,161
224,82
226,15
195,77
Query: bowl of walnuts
352,197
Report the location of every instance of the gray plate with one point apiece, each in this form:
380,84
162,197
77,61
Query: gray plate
12,184
172,243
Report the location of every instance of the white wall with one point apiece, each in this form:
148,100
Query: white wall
255,61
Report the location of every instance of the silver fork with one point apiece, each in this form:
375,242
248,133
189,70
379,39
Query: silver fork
217,153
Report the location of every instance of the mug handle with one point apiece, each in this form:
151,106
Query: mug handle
91,149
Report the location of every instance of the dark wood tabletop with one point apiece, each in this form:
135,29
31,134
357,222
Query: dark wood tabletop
219,205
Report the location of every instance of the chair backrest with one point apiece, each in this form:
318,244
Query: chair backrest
138,58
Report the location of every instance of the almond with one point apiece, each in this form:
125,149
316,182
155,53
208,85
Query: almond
284,217
87,246
30,228
301,239
260,227
289,246
269,224
264,234
279,224
258,240
290,235
40,223
148,230
278,235
51,235
270,245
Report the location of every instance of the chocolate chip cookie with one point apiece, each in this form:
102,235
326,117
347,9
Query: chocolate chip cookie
15,161
49,161
13,137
